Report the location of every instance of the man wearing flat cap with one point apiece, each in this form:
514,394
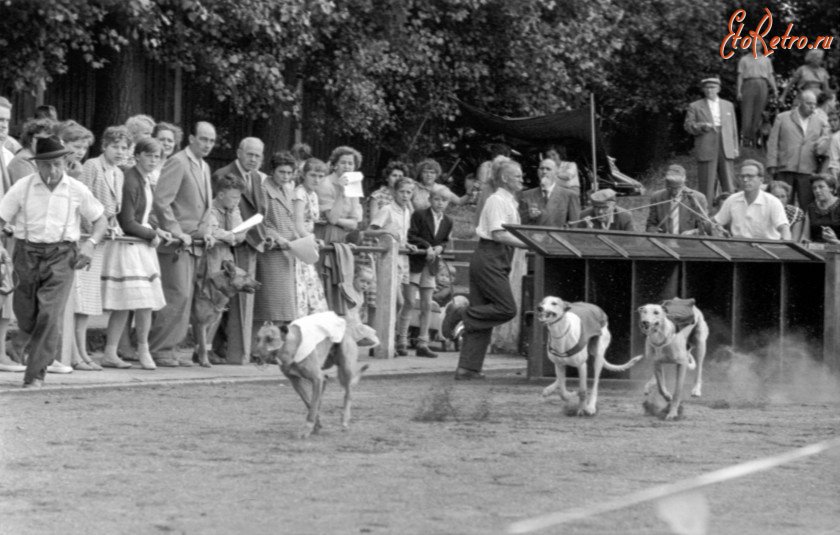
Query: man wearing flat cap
676,208
604,214
711,120
45,210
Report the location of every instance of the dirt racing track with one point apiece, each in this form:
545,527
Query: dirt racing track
424,454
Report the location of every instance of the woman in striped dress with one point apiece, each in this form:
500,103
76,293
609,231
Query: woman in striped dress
275,302
104,178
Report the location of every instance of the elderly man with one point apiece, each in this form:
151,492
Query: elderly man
182,202
711,120
677,209
792,147
238,320
549,205
604,214
45,210
753,213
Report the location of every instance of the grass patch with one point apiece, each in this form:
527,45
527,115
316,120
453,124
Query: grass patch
439,406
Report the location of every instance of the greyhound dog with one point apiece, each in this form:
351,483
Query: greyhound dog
303,350
576,331
211,298
667,342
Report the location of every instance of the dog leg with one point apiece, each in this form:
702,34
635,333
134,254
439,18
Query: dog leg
649,385
200,334
700,335
558,384
674,405
599,345
659,374
583,394
314,407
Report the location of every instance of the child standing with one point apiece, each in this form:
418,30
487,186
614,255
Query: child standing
354,298
429,232
394,219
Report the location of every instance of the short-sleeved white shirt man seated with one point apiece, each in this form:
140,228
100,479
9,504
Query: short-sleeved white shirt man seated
753,213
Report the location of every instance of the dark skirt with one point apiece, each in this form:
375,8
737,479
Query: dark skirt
276,299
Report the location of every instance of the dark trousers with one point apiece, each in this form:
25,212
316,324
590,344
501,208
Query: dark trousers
753,101
45,280
491,301
718,168
238,321
801,185
170,324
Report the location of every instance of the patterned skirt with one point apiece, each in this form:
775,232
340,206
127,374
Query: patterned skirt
88,284
131,277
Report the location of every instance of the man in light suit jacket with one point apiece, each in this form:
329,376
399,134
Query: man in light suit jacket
711,121
238,320
686,213
549,205
182,202
792,147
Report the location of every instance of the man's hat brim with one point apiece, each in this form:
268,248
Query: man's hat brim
54,155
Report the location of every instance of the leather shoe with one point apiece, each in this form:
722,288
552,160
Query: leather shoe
454,315
167,363
424,351
114,362
402,351
35,383
463,374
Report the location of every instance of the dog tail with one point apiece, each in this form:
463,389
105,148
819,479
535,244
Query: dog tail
622,367
355,380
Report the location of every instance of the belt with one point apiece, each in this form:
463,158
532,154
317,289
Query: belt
45,245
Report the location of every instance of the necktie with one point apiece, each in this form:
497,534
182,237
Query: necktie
545,195
674,215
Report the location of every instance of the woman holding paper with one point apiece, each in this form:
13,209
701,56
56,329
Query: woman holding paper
275,302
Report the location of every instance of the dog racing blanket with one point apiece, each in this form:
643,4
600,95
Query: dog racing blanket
316,328
680,311
592,320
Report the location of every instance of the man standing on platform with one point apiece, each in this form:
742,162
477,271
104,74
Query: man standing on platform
792,147
46,210
711,121
238,320
182,201
677,209
548,205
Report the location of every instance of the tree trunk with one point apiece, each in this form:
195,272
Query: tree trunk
119,88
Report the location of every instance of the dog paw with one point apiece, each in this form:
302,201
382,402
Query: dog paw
697,392
205,364
547,391
587,412
671,415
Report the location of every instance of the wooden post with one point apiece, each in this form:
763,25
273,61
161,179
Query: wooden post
536,350
387,287
831,318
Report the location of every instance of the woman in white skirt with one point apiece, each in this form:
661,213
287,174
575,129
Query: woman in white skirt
104,178
130,271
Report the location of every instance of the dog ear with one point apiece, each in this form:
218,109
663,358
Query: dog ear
567,307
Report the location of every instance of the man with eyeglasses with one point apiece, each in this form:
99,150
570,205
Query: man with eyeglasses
792,147
752,212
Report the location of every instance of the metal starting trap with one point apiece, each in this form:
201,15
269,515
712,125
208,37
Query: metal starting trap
756,295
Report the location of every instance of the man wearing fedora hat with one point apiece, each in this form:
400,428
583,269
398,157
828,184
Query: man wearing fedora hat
711,120
45,209
604,214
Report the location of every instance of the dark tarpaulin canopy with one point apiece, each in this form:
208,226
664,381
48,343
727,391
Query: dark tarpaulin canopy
561,128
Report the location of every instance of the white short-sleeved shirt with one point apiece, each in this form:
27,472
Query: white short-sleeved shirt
500,209
45,215
395,219
760,220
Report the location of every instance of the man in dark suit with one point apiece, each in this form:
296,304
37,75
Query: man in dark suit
182,202
238,320
686,213
604,214
429,231
711,120
549,205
